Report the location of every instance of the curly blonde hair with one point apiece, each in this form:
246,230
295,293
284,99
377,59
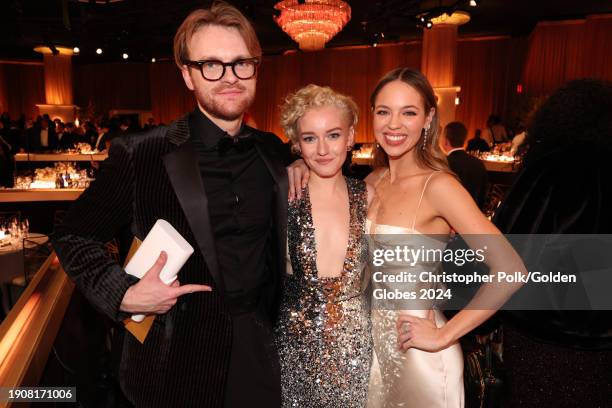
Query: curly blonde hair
314,96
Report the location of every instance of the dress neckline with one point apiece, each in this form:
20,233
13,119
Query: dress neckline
349,242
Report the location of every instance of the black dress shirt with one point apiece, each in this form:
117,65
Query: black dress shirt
239,188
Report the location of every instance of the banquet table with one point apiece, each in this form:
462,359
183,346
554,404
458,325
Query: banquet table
58,157
11,195
500,166
12,261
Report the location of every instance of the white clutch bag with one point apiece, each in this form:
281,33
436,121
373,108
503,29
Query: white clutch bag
162,237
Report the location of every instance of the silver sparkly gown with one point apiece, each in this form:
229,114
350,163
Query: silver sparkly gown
324,331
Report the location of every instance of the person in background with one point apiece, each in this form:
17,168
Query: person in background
65,139
150,124
477,143
518,141
6,158
323,333
470,170
495,132
124,126
43,136
562,358
90,133
103,136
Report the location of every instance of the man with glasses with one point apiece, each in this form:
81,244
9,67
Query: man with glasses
223,186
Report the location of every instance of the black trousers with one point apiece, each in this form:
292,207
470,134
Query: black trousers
254,372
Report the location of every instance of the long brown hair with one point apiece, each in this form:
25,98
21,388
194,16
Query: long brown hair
428,154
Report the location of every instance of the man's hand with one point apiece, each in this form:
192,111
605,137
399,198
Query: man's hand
298,174
152,296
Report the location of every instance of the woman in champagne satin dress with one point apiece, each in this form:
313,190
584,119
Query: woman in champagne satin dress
418,202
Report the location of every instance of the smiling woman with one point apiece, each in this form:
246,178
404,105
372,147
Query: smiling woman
417,358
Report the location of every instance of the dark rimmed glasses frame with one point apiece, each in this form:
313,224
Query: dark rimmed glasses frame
214,70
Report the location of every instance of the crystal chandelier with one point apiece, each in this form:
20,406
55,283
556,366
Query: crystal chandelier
312,23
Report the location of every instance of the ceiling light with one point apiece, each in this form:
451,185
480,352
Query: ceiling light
153,59
312,23
99,51
429,24
455,18
125,56
76,50
473,3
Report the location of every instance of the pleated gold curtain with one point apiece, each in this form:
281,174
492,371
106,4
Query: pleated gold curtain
565,50
58,79
488,71
24,87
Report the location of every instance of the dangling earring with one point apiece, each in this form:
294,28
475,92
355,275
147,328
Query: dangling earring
425,132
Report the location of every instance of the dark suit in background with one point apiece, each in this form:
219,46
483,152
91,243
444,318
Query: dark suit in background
35,142
472,173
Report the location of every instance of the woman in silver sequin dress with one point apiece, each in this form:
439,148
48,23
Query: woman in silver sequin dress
324,333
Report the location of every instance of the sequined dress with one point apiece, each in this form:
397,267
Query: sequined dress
324,331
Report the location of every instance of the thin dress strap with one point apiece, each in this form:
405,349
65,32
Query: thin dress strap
420,200
381,177
369,231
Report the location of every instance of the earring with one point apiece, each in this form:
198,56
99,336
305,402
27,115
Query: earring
425,133
349,148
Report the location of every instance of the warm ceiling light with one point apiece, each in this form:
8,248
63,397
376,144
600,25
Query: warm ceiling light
99,51
473,3
312,23
153,59
76,50
54,50
457,18
125,56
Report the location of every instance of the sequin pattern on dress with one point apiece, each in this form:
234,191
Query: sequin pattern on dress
324,332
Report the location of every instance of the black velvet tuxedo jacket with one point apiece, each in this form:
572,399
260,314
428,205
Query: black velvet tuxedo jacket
185,357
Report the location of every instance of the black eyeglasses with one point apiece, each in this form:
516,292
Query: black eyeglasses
213,70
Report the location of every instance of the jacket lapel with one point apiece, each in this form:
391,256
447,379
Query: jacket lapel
184,172
279,174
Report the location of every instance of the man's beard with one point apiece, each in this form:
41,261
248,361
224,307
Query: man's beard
218,110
